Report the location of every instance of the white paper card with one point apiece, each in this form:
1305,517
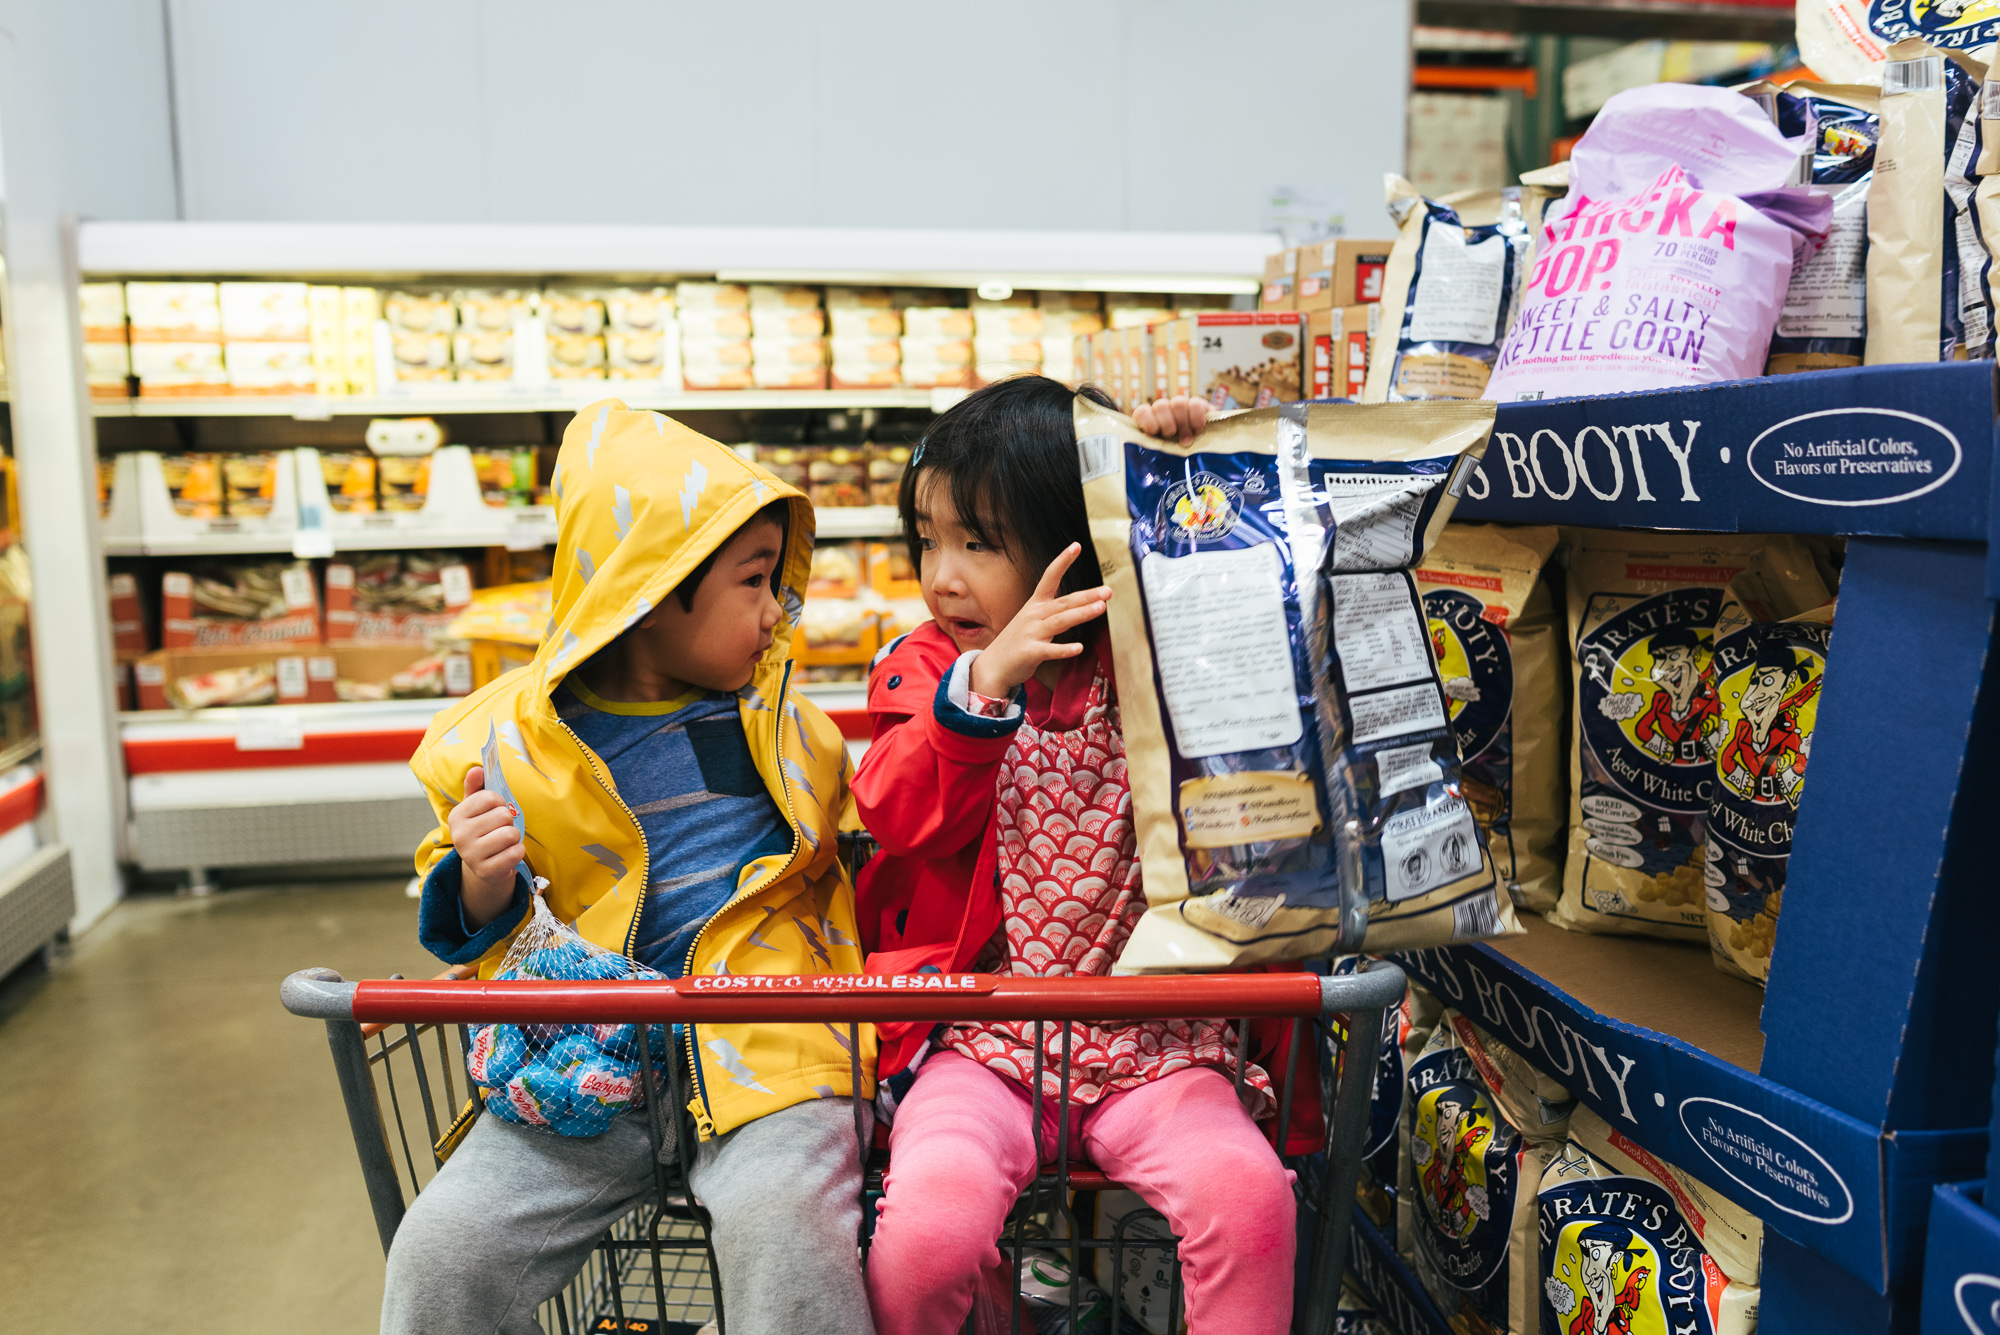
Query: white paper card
1219,641
1406,767
1457,299
1393,713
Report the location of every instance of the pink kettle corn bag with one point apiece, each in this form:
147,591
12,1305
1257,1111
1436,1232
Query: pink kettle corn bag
1666,263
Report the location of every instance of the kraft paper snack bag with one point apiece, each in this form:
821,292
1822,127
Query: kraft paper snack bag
1480,1129
1767,676
1405,1030
1215,551
1824,321
1848,40
1915,292
1643,610
1631,1243
1449,294
1499,646
1667,261
1968,242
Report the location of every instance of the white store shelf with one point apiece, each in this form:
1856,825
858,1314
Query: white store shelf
484,399
1211,262
856,521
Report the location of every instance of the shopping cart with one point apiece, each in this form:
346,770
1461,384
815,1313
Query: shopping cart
657,1257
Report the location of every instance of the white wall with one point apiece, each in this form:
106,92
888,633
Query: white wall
83,130
1114,114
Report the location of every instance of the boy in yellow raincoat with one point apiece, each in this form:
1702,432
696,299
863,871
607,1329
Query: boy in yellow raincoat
680,799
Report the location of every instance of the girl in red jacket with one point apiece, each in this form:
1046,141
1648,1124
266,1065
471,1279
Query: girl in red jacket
996,785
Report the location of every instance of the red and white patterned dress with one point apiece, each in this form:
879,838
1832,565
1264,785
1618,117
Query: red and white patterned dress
1069,896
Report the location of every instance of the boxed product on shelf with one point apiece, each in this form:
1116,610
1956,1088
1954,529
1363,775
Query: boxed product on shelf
782,375
788,463
929,362
404,481
837,570
889,572
936,324
1281,268
269,367
419,312
174,312
837,475
1017,317
640,355
1333,274
101,308
194,484
1122,310
360,308
277,312
506,474
350,480
805,353
573,313
238,603
715,363
128,624
1234,359
422,357
711,297
707,324
839,632
638,310
487,310
502,627
900,616
851,313
1336,350
1070,303
218,678
249,484
395,597
576,356
487,355
107,368
886,464
327,332
179,370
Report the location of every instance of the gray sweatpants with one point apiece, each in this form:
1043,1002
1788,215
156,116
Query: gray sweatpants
512,1215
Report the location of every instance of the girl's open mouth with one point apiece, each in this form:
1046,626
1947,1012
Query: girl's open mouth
963,627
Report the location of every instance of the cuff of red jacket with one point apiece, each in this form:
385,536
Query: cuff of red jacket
970,714
441,925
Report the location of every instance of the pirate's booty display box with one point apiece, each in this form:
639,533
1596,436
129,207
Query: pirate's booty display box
1649,718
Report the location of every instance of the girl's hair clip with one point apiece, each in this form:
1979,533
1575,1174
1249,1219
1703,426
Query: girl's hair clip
917,455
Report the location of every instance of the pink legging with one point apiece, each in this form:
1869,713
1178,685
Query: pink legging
962,1149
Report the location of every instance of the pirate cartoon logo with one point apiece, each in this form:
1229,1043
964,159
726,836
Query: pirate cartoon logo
1478,672
1200,507
1768,714
1955,24
1603,1282
1647,697
1455,1128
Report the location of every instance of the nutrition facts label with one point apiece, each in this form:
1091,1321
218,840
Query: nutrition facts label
1378,631
1224,658
1406,767
1375,518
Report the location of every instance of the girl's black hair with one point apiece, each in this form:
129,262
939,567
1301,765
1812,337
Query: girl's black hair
1008,455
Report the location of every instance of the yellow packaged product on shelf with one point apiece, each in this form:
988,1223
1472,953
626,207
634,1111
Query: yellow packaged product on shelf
194,483
1498,640
405,479
1632,1243
419,312
638,310
1643,610
636,355
1767,676
1480,1127
575,314
250,482
576,357
350,481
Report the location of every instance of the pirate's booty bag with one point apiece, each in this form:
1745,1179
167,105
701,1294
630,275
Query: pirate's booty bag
1216,553
571,1079
1630,1243
1643,610
1824,320
1767,678
1406,1028
1496,633
1479,1128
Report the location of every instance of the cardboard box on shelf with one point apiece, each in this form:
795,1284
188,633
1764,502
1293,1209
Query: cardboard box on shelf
1337,345
102,308
1235,359
270,368
576,357
577,313
1006,319
173,312
179,369
711,297
1027,351
360,308
937,322
1141,367
422,357
794,352
347,624
704,354
194,678
639,354
864,322
859,352
638,310
419,312
783,297
1341,273
328,335
787,322
279,312
107,368
708,324
182,628
1280,291
486,354
128,623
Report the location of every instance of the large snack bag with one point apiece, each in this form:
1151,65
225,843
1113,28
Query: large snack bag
1643,610
1449,293
1499,646
1824,322
1849,40
1216,551
1917,299
1629,1243
1406,1028
1666,263
1767,677
1481,1127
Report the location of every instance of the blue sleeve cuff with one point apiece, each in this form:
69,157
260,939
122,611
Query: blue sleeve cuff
441,925
954,704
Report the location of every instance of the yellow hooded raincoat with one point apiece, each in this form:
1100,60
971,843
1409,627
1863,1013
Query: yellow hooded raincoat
640,500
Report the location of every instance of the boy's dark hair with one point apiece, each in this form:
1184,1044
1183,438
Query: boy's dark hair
1008,455
778,512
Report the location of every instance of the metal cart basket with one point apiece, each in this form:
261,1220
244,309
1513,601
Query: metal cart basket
399,1050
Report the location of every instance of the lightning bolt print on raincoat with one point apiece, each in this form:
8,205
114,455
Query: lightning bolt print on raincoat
640,500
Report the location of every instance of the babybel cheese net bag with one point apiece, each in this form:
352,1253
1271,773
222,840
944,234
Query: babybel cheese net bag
1643,610
1631,1243
1667,261
1824,320
1214,550
1767,677
1480,1127
1448,293
1494,629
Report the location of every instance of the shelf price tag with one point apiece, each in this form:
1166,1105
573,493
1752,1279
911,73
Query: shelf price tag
270,730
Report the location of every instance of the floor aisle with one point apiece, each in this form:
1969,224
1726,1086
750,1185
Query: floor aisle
175,1156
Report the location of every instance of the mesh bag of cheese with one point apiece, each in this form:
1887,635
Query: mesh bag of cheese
1494,629
1767,678
1667,261
1217,551
1481,1127
1643,609
1631,1243
1449,292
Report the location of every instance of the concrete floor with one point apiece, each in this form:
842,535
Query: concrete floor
175,1157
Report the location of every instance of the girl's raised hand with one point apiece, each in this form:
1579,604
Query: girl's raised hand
1029,640
1180,418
